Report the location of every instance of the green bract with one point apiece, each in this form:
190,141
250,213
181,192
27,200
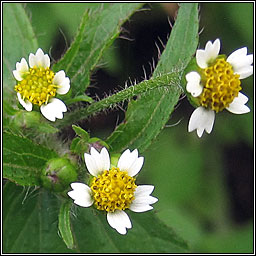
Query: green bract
58,174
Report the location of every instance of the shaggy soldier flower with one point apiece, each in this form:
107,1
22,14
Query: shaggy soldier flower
216,85
39,85
113,189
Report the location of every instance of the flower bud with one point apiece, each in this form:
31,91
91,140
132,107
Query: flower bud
58,174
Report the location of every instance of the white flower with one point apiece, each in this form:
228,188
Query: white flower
220,87
113,189
37,84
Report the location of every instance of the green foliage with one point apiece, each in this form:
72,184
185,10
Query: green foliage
23,159
91,232
18,41
154,235
64,224
161,82
30,221
81,132
183,41
97,32
79,98
144,121
83,142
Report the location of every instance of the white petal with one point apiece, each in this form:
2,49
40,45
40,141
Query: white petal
143,190
81,194
97,162
194,89
130,162
32,60
236,55
65,86
145,200
193,76
97,159
122,162
46,61
43,60
39,59
61,80
17,75
26,104
59,77
102,159
136,166
119,220
91,165
202,119
21,68
140,207
193,86
203,57
241,62
245,72
105,159
142,200
238,105
54,109
213,49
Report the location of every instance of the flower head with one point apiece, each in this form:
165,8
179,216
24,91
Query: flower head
216,85
113,189
37,84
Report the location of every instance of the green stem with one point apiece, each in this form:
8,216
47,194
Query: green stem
170,79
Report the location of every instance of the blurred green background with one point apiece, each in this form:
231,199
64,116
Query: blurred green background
205,186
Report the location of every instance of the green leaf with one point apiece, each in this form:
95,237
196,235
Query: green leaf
64,224
76,146
81,132
96,33
30,221
183,41
148,234
18,41
75,99
30,224
147,115
79,145
23,159
142,119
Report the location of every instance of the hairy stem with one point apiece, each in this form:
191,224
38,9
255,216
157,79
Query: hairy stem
170,79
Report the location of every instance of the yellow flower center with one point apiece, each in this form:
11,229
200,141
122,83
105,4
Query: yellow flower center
37,86
112,190
221,86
